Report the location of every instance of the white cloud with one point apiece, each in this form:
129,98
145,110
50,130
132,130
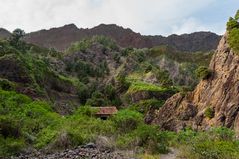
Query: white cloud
189,25
144,16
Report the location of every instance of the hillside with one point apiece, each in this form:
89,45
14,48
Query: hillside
166,98
214,102
61,38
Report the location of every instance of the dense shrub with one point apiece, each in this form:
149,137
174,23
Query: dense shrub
203,72
127,120
126,51
97,99
233,28
6,85
11,146
237,15
82,46
209,113
83,93
231,24
85,44
217,143
233,39
123,84
145,105
106,42
164,78
21,120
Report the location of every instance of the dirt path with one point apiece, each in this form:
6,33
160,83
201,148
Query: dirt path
171,155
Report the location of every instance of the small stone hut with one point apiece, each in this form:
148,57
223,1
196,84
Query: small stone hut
105,112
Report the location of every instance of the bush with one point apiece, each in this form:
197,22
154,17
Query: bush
82,46
203,72
10,146
233,39
215,150
217,143
209,113
237,15
106,42
145,105
145,136
163,77
45,137
123,84
127,120
152,139
83,93
231,24
6,85
222,133
97,99
86,111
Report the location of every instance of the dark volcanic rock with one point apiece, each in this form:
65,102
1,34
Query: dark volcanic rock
61,38
78,153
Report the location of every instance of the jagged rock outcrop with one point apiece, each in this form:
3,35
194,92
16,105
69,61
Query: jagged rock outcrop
61,38
220,93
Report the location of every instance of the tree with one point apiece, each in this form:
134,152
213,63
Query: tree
237,15
163,77
17,34
203,72
231,24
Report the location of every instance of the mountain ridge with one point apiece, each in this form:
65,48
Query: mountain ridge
61,38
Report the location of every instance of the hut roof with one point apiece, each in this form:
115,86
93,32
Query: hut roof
106,110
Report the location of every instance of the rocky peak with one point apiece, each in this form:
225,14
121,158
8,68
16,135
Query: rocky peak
62,37
4,33
219,94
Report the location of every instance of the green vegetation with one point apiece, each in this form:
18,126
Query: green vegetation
234,39
163,77
138,86
39,126
21,119
233,30
217,143
209,113
47,77
85,44
232,23
15,41
177,68
203,73
145,105
25,123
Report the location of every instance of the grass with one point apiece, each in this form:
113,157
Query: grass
24,123
143,86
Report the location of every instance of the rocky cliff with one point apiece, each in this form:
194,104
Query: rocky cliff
61,38
214,102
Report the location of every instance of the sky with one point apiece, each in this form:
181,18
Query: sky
148,17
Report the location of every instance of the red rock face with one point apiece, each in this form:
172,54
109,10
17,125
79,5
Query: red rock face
220,92
61,38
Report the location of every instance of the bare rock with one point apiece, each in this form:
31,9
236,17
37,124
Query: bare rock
220,91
